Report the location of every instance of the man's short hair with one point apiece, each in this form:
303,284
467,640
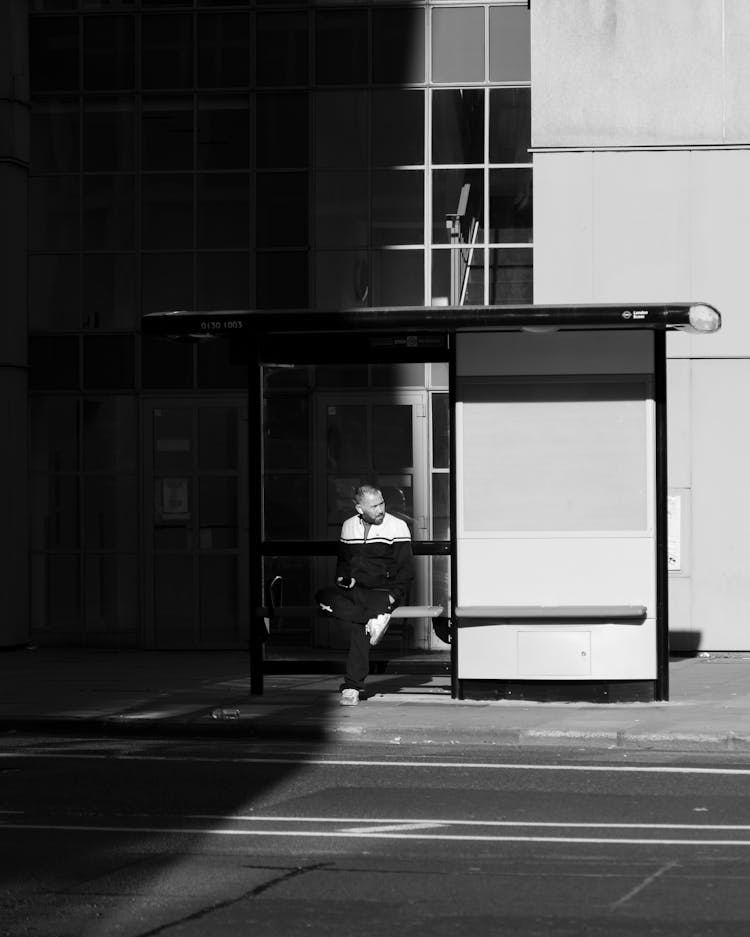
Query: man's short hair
363,490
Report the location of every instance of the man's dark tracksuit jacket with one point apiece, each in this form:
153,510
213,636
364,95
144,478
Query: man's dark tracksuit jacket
379,558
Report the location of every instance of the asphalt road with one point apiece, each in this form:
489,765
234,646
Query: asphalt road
144,837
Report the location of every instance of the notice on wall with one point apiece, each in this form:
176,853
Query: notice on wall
674,510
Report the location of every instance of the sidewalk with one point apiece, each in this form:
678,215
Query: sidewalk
207,694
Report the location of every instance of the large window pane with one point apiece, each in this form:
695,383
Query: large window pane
109,430
167,211
224,210
54,136
166,364
440,431
167,51
218,443
173,599
223,280
110,512
281,57
281,131
510,125
54,50
285,432
281,280
341,47
458,126
53,363
342,279
398,278
109,362
397,127
216,368
108,134
392,437
223,50
108,212
342,215
397,207
347,444
54,517
511,276
223,132
218,599
286,507
111,596
54,292
56,594
53,438
510,44
167,133
54,222
510,205
441,519
217,513
109,291
281,209
458,44
167,281
108,52
398,46
458,276
341,129
451,198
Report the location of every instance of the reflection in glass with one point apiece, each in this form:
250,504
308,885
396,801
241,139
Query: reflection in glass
342,209
109,134
281,131
53,434
286,510
397,127
167,51
281,209
458,126
167,214
511,276
109,427
217,512
54,292
223,132
397,207
458,44
397,278
441,439
285,432
463,208
510,205
217,438
108,212
110,512
281,50
109,294
346,438
398,46
392,436
54,512
342,279
108,52
510,125
223,50
167,133
458,276
510,43
341,129
341,47
223,210
55,136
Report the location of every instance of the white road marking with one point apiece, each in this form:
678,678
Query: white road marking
343,834
374,763
396,827
644,884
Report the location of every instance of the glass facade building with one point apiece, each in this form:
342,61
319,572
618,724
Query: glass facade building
194,154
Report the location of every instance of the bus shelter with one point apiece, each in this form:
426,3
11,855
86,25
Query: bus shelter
555,535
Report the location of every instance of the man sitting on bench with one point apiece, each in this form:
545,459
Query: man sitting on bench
374,571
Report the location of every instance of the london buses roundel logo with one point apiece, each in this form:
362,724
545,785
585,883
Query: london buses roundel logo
627,314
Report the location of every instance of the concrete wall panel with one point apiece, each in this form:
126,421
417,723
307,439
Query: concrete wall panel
628,72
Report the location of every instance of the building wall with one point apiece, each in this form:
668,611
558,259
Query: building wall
641,193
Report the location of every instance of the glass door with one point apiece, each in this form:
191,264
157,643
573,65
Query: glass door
196,524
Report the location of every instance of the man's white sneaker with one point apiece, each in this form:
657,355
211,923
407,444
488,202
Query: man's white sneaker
376,627
349,697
